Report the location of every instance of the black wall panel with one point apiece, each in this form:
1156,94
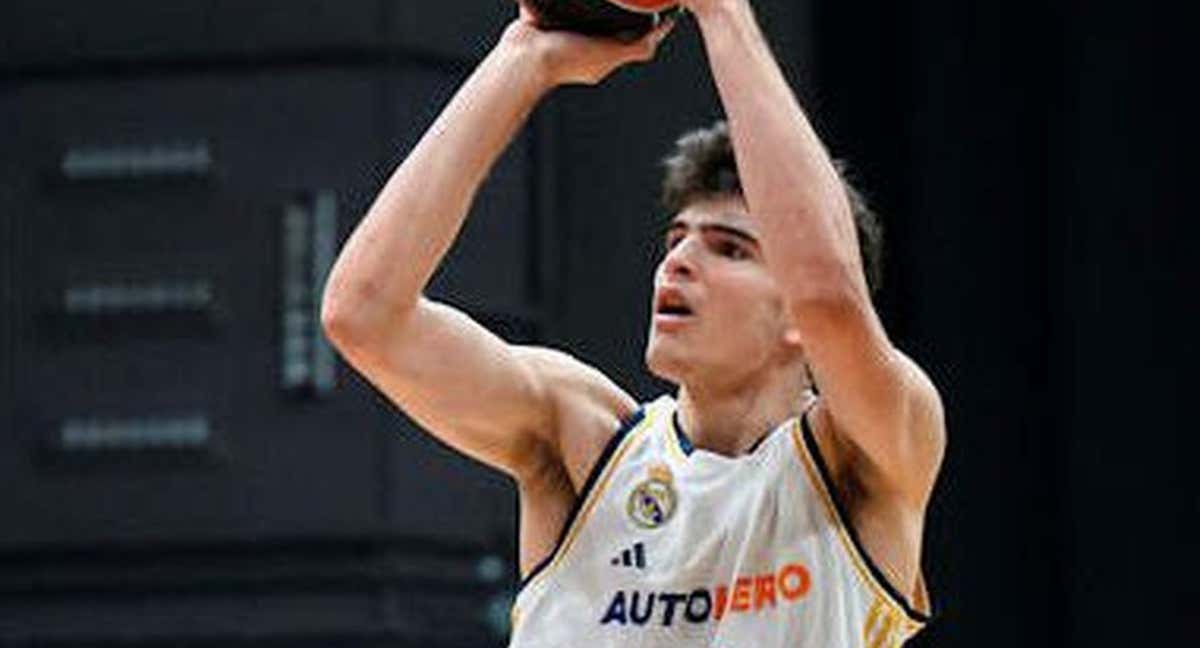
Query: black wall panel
60,32
8,219
269,137
461,30
141,620
278,465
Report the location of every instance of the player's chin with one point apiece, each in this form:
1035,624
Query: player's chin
665,357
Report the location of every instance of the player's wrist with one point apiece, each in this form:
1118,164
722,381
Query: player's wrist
523,45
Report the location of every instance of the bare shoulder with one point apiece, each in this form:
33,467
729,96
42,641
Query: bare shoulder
918,440
588,409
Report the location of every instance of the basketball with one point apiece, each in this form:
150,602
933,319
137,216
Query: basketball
619,18
645,6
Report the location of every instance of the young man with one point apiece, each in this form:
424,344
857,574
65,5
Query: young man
751,511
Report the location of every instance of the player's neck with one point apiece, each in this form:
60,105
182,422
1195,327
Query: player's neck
730,420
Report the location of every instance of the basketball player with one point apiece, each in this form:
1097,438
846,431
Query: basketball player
778,499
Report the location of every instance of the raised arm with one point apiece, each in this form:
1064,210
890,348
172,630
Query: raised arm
878,399
495,402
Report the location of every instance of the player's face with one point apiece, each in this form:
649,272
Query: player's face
717,313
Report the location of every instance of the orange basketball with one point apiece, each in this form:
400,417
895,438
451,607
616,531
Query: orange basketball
622,19
645,6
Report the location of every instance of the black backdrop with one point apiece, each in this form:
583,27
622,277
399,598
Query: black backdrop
1025,158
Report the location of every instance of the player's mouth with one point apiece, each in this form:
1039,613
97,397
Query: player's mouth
672,310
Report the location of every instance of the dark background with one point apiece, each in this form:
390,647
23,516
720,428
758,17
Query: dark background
1028,161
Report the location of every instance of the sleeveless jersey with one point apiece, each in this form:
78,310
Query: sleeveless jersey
671,545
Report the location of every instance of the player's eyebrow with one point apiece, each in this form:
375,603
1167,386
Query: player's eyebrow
731,230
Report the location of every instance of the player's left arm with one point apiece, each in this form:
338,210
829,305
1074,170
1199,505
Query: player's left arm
879,400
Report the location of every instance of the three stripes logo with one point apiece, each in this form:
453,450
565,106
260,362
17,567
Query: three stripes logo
635,556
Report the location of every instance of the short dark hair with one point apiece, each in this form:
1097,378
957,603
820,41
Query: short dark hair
703,166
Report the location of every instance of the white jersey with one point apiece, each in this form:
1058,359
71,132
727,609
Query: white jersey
675,546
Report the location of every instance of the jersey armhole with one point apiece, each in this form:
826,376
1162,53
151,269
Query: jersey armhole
810,453
598,468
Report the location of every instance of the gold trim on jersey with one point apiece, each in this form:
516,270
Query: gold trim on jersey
895,614
880,629
633,438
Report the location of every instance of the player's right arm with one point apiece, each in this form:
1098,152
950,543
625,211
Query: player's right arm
496,402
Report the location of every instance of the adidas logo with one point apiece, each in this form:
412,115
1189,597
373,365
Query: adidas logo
632,557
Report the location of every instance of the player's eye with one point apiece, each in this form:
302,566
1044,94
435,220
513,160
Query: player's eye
671,240
732,250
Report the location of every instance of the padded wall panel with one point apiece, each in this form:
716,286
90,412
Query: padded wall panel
64,32
277,464
458,29
269,136
58,32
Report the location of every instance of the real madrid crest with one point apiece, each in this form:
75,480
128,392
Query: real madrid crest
652,502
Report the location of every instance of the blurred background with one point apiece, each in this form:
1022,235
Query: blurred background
186,462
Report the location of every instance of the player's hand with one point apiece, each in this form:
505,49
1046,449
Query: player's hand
566,58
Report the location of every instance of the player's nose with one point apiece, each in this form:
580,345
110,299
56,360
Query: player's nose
680,261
